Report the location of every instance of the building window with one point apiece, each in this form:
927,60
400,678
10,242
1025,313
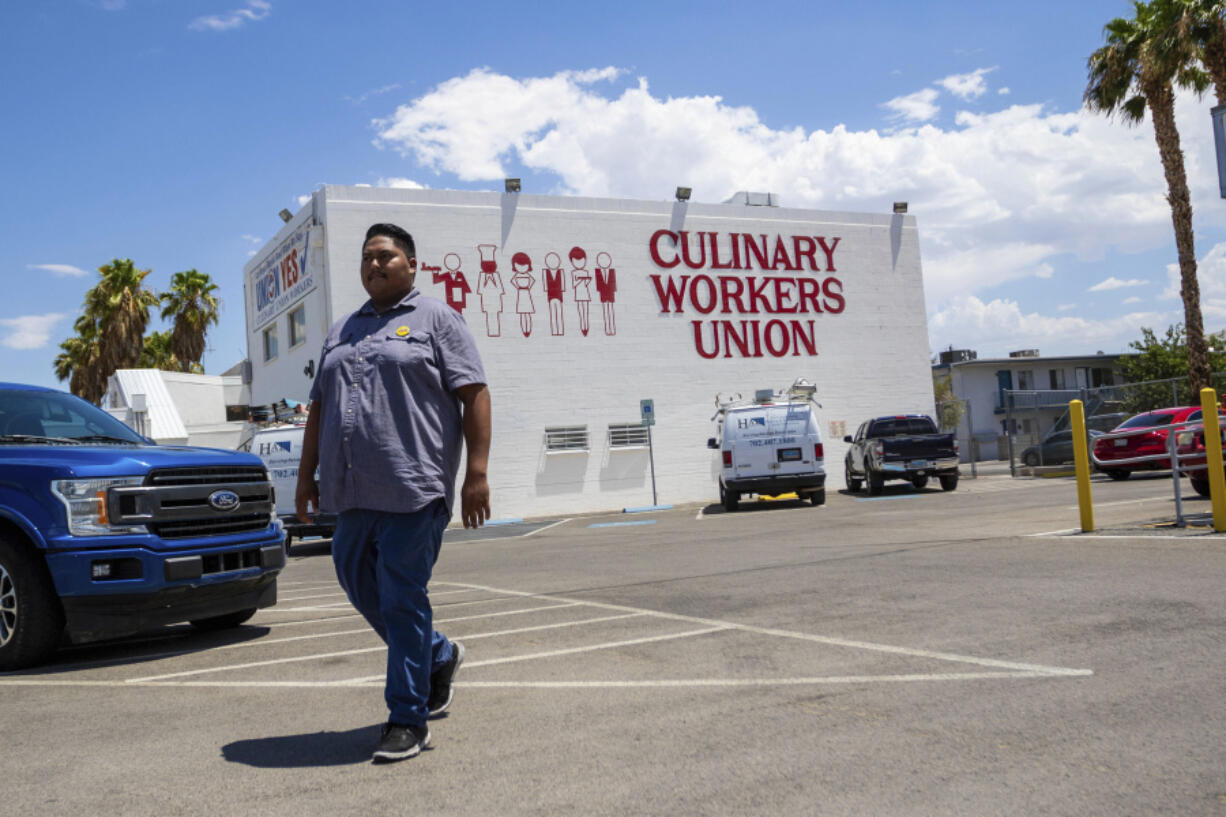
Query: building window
566,438
1025,381
297,327
1056,378
270,343
627,435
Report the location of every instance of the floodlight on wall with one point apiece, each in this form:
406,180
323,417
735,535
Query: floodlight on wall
900,207
285,215
683,193
512,185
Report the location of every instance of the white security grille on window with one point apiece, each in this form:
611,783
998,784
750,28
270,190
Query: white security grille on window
627,435
566,438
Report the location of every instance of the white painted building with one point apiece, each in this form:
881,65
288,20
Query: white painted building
583,307
179,408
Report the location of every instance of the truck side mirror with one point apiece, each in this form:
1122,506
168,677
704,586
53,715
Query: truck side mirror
847,438
711,443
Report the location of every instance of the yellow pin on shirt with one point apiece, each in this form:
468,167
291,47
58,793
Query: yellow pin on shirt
402,330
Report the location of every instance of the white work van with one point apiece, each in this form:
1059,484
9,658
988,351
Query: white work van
770,445
280,447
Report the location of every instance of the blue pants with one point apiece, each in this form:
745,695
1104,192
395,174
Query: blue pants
383,561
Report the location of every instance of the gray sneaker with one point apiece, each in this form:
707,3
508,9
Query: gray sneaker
441,691
400,742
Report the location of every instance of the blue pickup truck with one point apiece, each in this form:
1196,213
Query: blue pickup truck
104,533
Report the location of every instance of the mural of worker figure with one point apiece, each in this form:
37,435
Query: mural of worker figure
457,285
523,282
490,290
581,281
555,285
606,287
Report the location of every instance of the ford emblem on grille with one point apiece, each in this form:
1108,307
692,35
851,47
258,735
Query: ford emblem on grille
223,500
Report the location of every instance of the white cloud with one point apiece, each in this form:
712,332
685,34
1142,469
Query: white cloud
967,86
401,182
999,326
253,239
360,98
1133,300
1115,283
302,200
1065,307
60,270
255,10
1003,91
917,107
29,331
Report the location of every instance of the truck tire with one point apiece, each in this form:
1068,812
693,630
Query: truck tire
919,482
1117,473
31,618
949,482
853,483
818,497
226,622
876,482
1201,486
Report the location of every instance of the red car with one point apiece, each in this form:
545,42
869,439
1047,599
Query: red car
1152,443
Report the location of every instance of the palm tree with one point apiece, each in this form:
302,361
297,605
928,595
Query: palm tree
120,304
194,306
157,353
1198,28
80,362
1137,69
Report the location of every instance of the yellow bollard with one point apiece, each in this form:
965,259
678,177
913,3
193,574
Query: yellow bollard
1081,462
1213,457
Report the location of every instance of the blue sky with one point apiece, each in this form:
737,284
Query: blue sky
171,132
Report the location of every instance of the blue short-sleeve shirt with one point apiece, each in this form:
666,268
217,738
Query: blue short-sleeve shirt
391,432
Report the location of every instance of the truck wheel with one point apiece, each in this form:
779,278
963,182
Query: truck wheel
1117,473
31,619
730,498
1201,486
289,540
876,482
818,497
949,482
919,482
229,620
853,483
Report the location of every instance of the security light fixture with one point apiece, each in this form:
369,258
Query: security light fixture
512,185
683,193
285,215
900,207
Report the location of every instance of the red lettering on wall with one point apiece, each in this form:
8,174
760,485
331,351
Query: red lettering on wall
780,259
670,294
810,288
751,248
714,237
698,340
654,248
833,288
757,294
829,250
809,249
800,338
730,289
783,294
712,297
780,349
685,251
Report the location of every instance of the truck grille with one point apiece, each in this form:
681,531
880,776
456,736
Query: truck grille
174,502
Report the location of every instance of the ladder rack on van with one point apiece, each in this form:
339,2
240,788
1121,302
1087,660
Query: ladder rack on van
801,391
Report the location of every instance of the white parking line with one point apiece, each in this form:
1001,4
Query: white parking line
757,682
281,599
271,662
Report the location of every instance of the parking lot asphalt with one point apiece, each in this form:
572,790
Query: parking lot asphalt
921,652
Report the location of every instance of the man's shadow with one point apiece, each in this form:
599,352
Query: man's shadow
303,751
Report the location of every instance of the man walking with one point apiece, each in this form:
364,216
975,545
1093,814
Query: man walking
399,392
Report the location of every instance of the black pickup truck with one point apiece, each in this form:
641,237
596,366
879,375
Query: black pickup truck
904,446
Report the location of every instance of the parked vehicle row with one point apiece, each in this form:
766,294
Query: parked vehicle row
1144,444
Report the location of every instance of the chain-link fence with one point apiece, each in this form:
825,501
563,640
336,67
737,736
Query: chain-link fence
1035,430
956,416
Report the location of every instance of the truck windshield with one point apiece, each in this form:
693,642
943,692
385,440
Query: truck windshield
29,416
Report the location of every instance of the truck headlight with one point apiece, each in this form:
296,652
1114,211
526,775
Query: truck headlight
85,501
